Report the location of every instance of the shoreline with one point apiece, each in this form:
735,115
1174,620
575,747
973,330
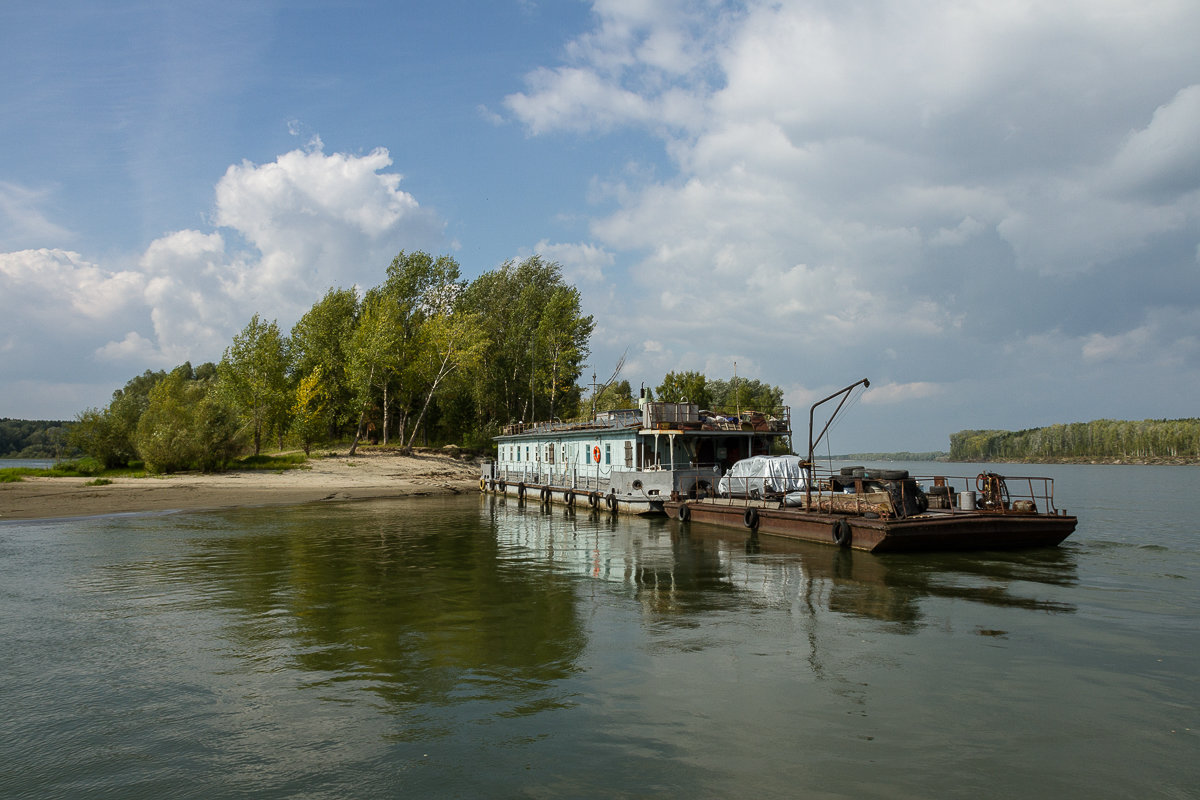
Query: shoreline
366,476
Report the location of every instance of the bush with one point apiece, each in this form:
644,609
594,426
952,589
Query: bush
186,427
86,466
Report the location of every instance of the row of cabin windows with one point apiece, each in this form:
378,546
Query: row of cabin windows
517,453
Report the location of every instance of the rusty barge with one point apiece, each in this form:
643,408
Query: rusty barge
889,510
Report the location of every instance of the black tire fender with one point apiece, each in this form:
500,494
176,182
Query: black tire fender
841,533
684,512
750,518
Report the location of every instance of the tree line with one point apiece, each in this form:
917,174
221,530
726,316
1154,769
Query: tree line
423,357
1102,439
22,438
423,354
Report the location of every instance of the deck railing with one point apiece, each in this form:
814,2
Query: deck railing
834,492
546,475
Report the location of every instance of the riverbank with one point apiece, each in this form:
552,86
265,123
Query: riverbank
366,476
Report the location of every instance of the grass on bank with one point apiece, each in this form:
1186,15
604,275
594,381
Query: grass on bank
91,468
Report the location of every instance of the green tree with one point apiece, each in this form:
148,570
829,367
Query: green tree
186,425
374,356
615,396
109,434
678,386
741,394
253,375
419,286
321,338
310,410
530,364
561,339
449,342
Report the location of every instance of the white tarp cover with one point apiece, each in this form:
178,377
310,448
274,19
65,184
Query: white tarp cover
762,474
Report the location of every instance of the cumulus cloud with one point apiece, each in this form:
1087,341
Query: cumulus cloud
1162,160
898,187
287,230
47,287
312,215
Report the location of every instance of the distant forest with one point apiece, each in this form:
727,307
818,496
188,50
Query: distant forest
1147,441
23,438
903,455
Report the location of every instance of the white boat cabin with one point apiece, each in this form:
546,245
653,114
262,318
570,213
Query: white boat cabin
640,454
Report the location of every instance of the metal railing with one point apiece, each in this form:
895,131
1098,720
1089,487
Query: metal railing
569,478
877,491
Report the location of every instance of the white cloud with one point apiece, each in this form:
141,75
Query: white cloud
891,393
23,222
1162,159
581,263
576,99
312,216
904,189
58,287
310,220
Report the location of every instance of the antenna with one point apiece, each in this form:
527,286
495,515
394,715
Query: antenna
598,389
737,394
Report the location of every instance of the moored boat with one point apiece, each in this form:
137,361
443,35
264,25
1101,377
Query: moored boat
699,466
630,460
890,510
1019,513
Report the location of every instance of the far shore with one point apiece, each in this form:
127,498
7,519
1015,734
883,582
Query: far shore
367,475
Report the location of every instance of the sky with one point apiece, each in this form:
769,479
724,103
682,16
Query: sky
990,209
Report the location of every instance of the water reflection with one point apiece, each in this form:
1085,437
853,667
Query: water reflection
409,606
679,572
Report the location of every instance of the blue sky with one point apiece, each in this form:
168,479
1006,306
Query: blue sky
989,209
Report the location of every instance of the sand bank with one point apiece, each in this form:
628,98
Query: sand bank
366,476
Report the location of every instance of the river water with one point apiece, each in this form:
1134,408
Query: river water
473,647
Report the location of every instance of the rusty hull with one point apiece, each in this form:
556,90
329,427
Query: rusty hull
933,530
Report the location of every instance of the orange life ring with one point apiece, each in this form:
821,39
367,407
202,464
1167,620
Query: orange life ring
596,453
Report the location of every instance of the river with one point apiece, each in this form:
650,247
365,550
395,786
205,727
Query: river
473,647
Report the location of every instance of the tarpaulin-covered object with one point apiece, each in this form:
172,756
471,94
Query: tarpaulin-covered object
760,475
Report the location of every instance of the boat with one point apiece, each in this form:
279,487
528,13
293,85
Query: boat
631,461
881,510
716,467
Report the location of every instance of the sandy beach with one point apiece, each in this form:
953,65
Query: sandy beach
367,475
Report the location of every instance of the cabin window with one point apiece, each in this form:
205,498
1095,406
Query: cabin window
564,454
608,454
526,452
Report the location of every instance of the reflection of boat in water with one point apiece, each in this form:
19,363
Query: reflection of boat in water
890,510
703,568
